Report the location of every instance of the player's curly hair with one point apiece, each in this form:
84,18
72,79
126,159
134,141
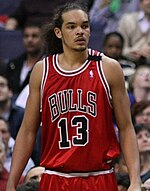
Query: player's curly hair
54,44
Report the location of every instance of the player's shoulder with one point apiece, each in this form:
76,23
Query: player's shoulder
38,65
36,74
110,61
100,56
44,60
110,64
38,69
94,55
112,69
41,64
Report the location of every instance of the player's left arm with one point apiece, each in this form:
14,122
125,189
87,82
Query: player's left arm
121,106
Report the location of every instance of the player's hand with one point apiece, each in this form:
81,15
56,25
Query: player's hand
135,187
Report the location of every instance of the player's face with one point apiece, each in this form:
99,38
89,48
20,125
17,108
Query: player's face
75,30
32,39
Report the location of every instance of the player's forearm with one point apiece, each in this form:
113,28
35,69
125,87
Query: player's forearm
131,154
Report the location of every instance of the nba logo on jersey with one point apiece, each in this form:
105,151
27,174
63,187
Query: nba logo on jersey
91,74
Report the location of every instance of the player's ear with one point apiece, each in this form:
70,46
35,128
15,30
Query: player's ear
57,32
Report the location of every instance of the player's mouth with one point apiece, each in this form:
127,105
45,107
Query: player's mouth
80,40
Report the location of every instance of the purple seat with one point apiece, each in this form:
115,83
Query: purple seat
11,44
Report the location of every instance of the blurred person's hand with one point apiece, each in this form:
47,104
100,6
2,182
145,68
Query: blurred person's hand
135,55
142,52
11,24
147,184
145,51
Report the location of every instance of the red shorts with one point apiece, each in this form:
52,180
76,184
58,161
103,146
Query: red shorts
65,182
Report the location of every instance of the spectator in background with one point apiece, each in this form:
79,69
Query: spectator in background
120,165
14,115
113,46
146,184
22,97
121,172
73,19
141,113
135,28
2,66
18,70
139,84
110,11
9,144
35,173
3,172
18,74
40,12
8,109
122,181
143,138
28,186
7,8
104,16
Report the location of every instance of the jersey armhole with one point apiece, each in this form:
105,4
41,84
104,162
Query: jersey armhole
44,77
104,80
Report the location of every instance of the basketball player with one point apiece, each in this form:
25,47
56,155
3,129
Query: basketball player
77,90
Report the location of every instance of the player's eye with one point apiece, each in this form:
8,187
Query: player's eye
85,26
71,26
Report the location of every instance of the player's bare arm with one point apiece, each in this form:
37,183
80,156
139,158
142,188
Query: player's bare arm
121,107
27,133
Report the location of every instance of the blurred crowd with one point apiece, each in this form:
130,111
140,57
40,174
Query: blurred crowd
119,28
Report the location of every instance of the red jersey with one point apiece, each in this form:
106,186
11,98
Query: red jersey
77,122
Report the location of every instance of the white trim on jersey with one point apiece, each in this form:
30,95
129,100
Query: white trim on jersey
82,174
44,78
72,72
91,52
108,88
103,80
102,75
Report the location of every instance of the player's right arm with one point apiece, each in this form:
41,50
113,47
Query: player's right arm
27,134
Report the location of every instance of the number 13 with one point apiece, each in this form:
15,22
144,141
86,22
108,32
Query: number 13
82,132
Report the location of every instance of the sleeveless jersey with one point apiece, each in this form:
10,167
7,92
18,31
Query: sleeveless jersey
77,122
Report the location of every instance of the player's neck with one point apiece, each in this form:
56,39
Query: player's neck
72,60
